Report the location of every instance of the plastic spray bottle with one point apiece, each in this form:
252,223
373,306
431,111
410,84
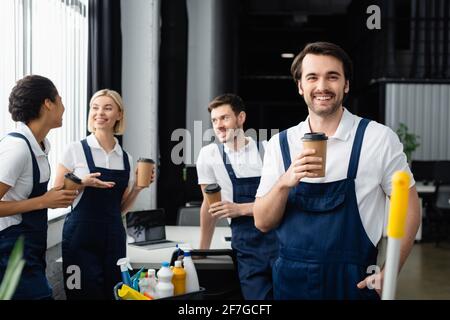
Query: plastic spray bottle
124,264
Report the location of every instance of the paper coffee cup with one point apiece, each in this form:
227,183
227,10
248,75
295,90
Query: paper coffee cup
318,142
212,192
145,170
71,182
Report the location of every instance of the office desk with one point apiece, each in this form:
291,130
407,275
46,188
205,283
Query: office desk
152,258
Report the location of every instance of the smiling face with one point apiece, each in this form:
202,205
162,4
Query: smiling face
104,114
225,122
323,84
58,111
55,110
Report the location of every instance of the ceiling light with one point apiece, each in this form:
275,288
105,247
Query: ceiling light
287,55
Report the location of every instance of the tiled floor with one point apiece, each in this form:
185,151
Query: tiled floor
426,273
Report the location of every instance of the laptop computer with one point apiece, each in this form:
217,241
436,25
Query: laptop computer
147,229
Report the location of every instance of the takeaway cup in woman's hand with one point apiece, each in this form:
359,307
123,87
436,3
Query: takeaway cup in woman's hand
71,182
145,172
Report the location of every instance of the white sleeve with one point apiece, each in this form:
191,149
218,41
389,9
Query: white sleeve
393,159
272,166
205,172
14,158
68,159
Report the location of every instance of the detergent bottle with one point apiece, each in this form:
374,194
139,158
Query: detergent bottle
165,287
151,273
191,274
179,278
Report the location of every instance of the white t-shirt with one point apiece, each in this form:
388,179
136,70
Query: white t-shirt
75,161
381,156
16,169
246,162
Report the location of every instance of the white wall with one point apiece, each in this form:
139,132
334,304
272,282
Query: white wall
140,45
424,108
200,64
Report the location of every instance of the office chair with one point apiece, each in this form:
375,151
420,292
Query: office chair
190,216
442,209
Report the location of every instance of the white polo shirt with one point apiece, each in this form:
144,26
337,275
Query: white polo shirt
381,156
74,160
16,169
246,162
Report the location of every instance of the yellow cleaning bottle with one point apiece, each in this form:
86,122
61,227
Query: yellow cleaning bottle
128,293
179,279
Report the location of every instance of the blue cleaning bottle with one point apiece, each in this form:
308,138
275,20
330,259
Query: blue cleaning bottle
124,264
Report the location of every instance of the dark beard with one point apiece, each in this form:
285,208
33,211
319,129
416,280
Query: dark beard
329,112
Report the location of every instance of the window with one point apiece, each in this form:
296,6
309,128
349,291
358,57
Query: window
49,38
11,60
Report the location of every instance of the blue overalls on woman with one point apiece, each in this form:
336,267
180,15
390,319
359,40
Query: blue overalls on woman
255,251
94,236
331,251
36,107
33,283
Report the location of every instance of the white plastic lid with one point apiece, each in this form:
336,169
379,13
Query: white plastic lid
178,264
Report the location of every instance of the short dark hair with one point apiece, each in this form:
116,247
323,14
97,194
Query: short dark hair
326,49
28,95
236,103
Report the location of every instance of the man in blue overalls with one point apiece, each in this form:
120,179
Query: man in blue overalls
235,164
329,227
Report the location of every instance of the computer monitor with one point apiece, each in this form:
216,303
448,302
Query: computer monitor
148,229
423,170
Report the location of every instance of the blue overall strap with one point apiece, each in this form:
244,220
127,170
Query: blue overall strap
285,152
90,159
126,161
356,149
36,173
88,155
227,162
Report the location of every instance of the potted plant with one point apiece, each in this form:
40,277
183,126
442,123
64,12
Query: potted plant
409,140
13,271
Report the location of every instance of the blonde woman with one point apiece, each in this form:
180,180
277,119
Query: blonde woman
93,235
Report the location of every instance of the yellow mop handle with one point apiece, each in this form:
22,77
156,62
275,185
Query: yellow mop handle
399,205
